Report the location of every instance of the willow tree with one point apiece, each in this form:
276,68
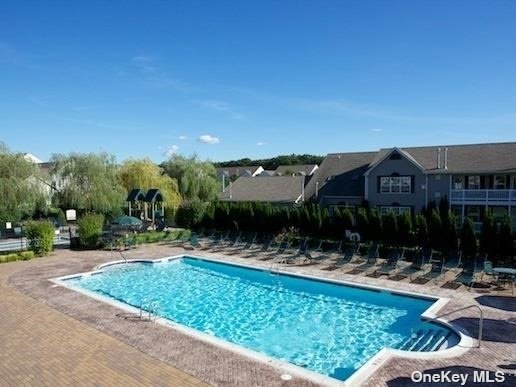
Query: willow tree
197,179
87,182
145,174
22,189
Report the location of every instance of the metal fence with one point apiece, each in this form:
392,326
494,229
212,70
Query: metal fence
19,243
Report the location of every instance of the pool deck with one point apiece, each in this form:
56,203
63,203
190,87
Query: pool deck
55,336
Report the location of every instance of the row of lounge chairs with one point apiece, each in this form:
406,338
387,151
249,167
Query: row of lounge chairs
424,265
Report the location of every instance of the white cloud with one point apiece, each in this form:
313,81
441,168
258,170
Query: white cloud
376,130
208,139
182,138
172,150
260,143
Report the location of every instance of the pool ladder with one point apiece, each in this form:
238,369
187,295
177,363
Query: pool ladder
149,308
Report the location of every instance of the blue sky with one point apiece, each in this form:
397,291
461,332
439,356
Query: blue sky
254,78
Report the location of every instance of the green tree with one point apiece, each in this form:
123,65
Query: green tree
87,182
390,228
421,230
375,225
22,188
145,174
435,233
197,180
488,235
468,240
362,223
505,238
405,229
90,229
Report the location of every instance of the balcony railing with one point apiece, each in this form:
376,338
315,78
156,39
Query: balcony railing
483,195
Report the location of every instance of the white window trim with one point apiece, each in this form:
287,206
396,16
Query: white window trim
399,185
397,210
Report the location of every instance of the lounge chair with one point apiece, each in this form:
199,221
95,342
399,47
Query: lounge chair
417,265
213,242
437,270
368,261
344,259
243,244
390,265
453,260
302,253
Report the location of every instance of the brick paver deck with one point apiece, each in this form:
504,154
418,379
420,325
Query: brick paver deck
111,337
41,346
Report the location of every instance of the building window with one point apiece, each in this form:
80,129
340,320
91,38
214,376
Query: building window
474,182
499,182
458,182
396,210
437,195
395,184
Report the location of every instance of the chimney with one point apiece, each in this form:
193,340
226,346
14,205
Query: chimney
445,158
439,158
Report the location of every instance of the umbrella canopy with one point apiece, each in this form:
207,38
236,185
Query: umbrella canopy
127,221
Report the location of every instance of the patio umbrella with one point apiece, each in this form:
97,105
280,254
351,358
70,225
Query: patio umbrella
127,221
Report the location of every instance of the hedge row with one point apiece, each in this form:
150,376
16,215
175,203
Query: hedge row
22,256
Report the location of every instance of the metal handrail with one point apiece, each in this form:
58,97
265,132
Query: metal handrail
480,321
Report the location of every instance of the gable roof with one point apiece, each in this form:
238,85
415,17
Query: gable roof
237,171
274,189
135,195
154,195
340,174
470,158
381,156
302,169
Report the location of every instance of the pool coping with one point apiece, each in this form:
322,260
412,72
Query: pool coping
359,376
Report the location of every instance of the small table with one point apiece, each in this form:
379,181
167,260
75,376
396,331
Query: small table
504,270
507,271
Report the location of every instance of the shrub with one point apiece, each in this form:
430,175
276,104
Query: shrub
421,230
26,255
505,238
468,240
40,235
90,230
190,215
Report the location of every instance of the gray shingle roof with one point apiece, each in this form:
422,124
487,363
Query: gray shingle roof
340,174
237,171
275,189
303,169
474,158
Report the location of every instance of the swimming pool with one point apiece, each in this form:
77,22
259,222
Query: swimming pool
328,328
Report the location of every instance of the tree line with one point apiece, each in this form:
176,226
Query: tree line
274,162
95,182
434,227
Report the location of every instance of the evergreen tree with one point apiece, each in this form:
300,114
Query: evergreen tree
405,229
488,237
375,226
435,232
468,240
390,228
506,240
421,230
362,224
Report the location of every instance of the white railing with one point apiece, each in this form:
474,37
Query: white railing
483,195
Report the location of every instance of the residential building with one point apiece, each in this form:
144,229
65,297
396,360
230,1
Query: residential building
304,170
474,178
285,190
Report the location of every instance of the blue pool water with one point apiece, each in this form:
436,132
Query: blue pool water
328,328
